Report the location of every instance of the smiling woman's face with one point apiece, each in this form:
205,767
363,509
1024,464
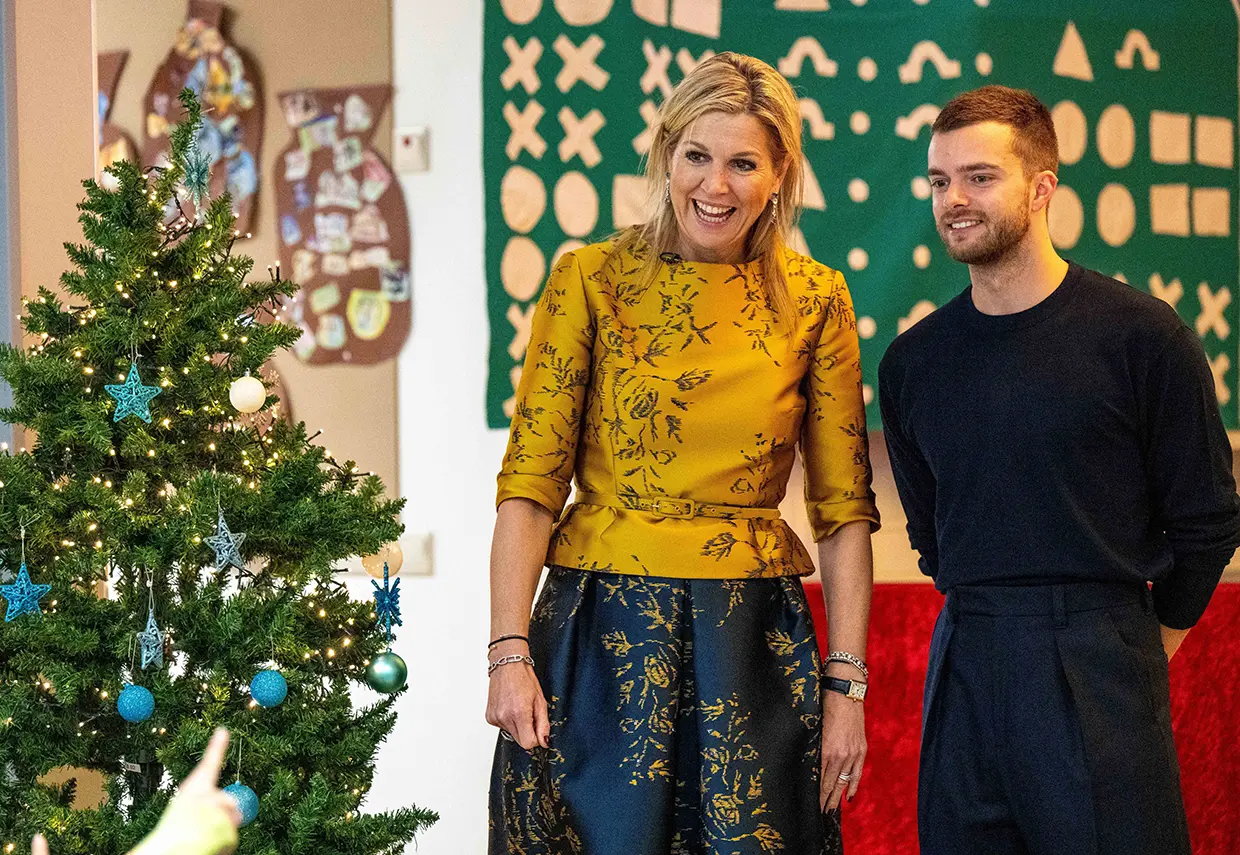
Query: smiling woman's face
722,176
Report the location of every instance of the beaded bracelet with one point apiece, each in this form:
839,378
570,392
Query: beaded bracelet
508,638
847,658
508,660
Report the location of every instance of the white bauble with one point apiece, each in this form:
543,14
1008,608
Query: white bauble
247,394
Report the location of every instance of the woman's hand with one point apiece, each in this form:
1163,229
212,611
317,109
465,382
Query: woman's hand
843,749
515,701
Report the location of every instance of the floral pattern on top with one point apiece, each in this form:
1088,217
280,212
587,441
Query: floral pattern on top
688,387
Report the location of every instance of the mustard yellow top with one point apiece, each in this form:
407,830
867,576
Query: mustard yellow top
686,389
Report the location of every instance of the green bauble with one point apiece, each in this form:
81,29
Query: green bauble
386,673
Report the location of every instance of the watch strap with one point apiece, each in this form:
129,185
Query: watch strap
854,689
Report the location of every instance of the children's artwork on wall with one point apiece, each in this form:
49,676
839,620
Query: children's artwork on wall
344,228
114,144
232,122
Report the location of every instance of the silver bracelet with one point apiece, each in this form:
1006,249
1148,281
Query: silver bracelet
508,660
847,658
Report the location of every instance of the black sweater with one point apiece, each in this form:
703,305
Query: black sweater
1077,440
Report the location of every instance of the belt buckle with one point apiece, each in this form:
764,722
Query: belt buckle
679,508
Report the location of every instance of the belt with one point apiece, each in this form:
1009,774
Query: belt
677,508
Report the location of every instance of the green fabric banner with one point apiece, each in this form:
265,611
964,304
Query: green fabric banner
1144,96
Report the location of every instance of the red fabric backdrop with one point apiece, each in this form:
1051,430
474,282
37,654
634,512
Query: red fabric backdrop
1205,709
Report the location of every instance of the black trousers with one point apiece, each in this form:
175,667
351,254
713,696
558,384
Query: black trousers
1047,726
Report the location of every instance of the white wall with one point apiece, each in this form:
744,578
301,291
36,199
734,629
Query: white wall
440,754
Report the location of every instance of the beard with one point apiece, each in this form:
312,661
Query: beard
1003,233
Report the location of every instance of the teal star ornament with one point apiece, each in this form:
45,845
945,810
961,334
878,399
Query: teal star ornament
226,546
132,398
23,596
197,177
152,641
387,602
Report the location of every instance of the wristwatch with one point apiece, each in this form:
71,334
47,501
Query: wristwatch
852,689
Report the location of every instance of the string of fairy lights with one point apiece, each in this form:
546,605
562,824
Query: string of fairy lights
336,650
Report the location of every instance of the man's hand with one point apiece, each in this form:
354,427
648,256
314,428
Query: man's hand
1172,639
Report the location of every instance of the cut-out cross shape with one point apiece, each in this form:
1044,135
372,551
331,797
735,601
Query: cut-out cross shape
641,142
657,63
579,136
523,323
1170,292
521,62
1212,306
580,63
514,377
687,62
524,127
1218,367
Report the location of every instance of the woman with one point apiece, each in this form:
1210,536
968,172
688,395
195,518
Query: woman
667,698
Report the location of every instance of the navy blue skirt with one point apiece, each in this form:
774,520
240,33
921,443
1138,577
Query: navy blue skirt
686,719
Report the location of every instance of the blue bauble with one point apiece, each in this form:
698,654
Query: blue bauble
135,704
246,799
269,688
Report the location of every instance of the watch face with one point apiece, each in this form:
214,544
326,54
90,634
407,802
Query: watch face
856,690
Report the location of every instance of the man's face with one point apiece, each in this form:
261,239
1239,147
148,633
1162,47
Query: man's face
981,198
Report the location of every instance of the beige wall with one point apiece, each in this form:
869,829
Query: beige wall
54,89
292,43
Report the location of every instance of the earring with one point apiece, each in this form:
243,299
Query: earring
774,205
667,189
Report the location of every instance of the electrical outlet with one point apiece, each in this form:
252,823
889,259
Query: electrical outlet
411,150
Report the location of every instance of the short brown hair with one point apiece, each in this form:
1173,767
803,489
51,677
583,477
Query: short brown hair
1033,130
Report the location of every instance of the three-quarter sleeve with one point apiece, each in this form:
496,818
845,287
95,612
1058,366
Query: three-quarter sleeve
834,443
1194,493
550,399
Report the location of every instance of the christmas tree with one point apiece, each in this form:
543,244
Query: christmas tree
215,538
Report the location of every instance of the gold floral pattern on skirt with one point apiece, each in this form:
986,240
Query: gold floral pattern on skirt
685,719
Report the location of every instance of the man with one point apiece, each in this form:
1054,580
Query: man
1056,444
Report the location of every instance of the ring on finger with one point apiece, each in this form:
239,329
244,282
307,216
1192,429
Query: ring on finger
844,777
506,735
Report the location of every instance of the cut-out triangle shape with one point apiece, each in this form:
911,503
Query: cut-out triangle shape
811,190
1071,60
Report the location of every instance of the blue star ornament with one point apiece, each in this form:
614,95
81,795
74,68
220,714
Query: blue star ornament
152,641
23,596
226,546
132,398
387,603
197,176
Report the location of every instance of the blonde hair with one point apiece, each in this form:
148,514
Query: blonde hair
735,84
